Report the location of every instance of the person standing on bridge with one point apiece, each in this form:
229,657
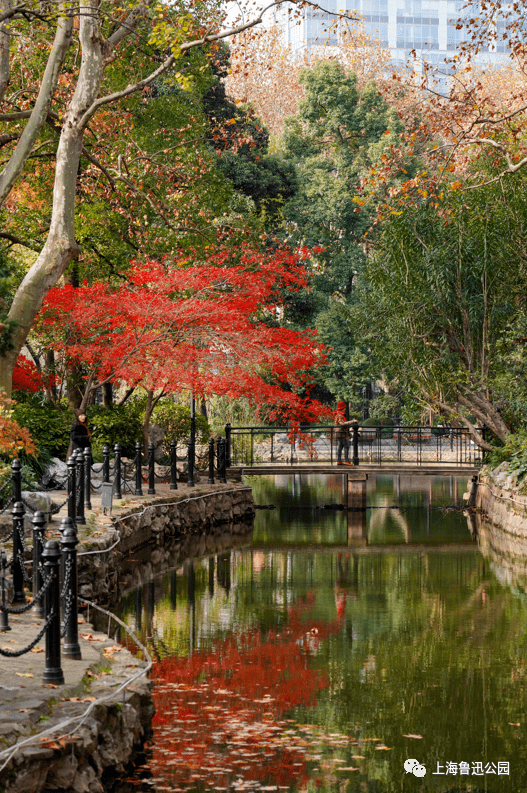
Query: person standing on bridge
342,434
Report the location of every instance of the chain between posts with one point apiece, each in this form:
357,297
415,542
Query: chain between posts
28,606
29,647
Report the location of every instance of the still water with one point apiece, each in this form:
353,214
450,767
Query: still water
327,647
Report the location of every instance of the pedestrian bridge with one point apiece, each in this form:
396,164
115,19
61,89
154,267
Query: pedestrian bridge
313,449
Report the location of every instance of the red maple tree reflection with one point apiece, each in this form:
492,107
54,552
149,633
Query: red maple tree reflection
219,720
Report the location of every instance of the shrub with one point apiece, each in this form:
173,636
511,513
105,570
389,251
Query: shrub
514,451
115,424
48,426
175,420
378,421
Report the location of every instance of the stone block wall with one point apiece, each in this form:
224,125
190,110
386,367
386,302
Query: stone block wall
155,526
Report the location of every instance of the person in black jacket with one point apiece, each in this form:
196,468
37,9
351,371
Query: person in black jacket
79,434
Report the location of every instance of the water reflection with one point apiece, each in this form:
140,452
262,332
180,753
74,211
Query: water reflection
310,662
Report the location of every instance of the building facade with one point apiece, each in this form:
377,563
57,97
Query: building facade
427,26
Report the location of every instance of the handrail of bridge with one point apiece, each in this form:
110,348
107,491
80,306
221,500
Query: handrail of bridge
377,444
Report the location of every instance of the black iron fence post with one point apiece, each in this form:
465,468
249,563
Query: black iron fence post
355,429
18,513
117,471
4,621
138,469
151,470
53,671
16,477
173,465
191,453
79,490
39,522
221,460
87,477
228,445
72,477
106,465
211,461
68,544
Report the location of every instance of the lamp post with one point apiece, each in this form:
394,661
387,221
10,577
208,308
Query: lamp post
192,444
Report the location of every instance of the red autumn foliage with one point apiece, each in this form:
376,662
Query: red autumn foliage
210,328
26,376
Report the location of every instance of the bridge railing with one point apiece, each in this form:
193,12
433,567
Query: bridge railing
376,445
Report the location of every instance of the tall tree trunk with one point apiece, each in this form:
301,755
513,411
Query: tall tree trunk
107,395
146,423
51,389
60,246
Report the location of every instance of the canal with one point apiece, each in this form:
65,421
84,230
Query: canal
335,650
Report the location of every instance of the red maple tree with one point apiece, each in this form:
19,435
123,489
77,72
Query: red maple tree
210,328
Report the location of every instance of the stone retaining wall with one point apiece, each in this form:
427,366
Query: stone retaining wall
503,500
155,526
104,743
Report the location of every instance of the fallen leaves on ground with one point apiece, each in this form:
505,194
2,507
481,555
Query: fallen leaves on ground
59,743
109,651
24,674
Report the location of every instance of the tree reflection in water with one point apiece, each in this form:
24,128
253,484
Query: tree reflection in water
324,668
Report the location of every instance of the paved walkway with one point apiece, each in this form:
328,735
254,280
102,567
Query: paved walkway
30,707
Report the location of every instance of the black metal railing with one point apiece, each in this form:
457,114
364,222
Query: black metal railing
49,587
54,566
126,476
369,445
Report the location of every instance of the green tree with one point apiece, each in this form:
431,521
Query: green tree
339,138
442,302
241,143
57,70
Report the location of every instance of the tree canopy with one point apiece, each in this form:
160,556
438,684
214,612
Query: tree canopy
441,291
